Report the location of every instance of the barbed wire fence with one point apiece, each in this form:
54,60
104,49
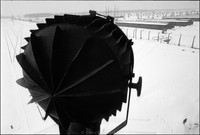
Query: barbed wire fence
185,40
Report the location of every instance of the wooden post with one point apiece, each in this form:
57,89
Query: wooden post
127,32
149,35
141,34
179,42
12,19
135,33
193,41
158,36
168,38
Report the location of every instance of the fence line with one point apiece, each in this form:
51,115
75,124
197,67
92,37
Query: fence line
158,36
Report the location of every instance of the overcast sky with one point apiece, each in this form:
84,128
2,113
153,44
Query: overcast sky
24,7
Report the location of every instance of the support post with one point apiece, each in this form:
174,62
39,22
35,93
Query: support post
141,34
179,42
193,41
135,33
149,35
158,36
168,38
127,32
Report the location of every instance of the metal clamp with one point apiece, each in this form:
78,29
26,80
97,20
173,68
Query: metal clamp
94,13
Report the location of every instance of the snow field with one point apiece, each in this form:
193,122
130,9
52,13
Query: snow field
171,82
170,91
17,116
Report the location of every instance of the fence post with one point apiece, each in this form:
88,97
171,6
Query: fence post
141,34
127,32
158,36
168,38
193,41
135,33
179,42
149,35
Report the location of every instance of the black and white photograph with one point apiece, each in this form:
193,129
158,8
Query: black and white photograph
99,67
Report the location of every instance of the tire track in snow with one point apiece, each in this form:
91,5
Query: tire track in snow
7,45
13,68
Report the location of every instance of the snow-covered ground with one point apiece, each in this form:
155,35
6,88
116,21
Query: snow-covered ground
170,92
16,115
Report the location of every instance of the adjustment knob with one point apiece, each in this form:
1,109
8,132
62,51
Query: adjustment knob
137,86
